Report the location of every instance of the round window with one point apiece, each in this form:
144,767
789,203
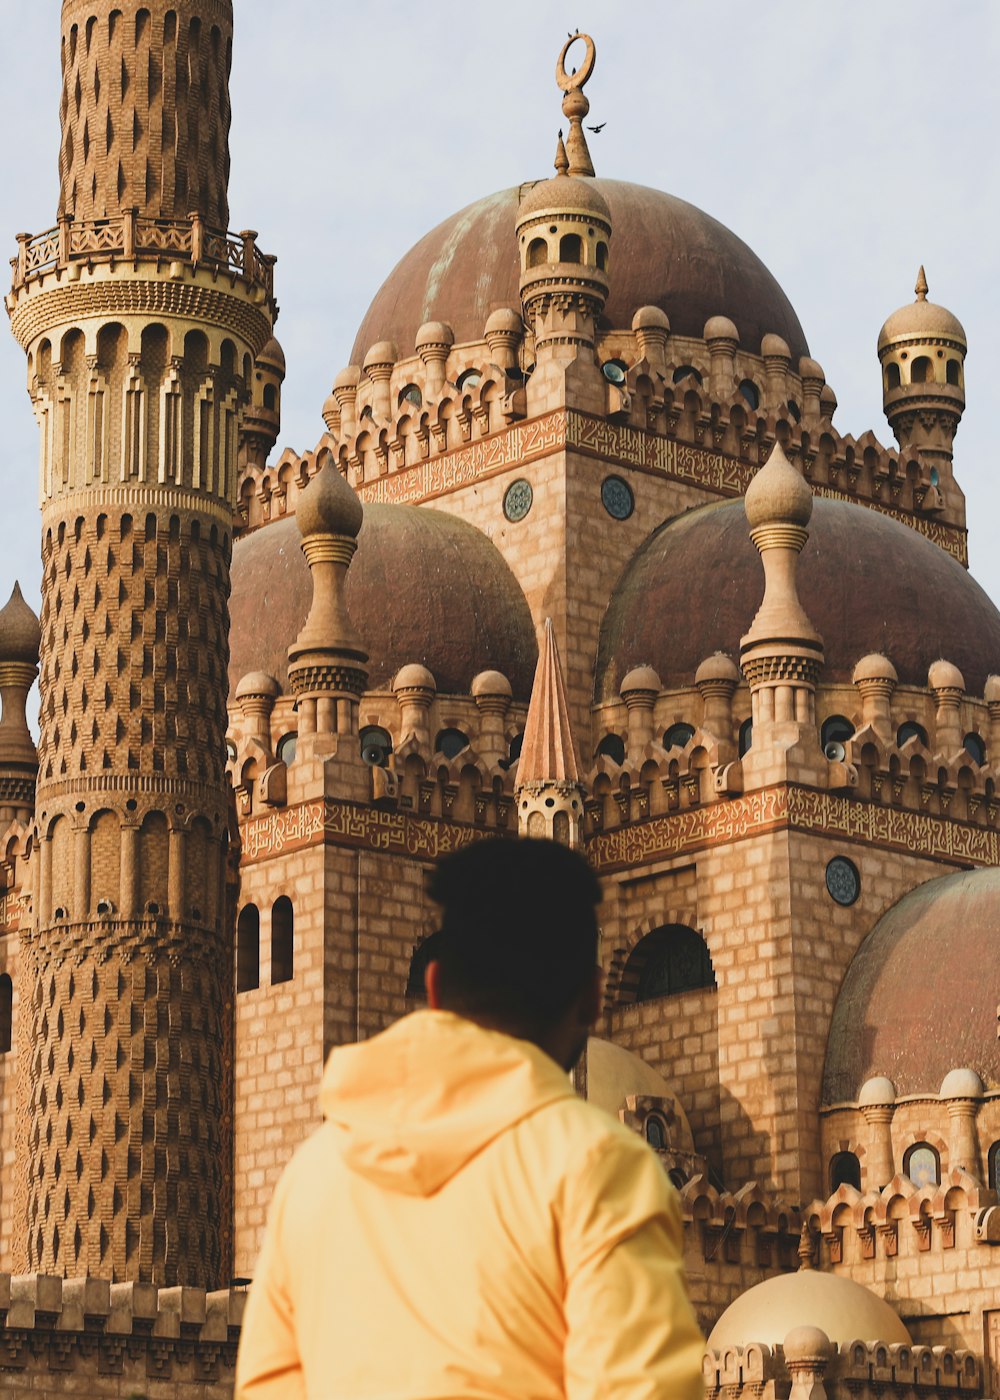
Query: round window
617,498
843,882
517,500
614,371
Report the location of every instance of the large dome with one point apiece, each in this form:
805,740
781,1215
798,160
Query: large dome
844,1310
894,1019
424,587
867,582
664,252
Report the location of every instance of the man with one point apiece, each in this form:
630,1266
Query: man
463,1226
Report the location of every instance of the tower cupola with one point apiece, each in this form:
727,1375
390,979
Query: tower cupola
922,350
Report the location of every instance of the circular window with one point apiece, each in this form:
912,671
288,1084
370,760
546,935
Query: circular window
517,500
617,498
614,371
286,748
843,882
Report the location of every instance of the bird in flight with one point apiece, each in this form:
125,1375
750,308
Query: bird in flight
597,129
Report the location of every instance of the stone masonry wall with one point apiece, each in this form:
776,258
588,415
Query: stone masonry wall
8,1100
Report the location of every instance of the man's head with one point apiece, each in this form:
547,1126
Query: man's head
517,947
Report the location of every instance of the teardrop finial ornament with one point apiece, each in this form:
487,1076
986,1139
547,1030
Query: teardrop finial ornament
562,159
921,288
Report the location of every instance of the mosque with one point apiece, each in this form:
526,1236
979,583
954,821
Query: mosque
580,553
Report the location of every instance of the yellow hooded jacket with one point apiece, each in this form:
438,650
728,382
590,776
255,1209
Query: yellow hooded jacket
464,1227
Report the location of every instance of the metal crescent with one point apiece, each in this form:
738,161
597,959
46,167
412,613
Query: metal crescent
569,81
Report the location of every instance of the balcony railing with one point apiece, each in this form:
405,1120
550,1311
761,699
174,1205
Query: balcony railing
130,235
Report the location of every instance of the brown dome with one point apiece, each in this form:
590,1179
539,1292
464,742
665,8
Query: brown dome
664,252
424,587
892,1019
867,582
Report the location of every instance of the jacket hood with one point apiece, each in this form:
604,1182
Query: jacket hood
412,1105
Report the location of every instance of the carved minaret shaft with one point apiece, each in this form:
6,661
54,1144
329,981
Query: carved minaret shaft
141,332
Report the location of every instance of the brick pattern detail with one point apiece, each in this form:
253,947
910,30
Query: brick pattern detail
145,108
126,1113
135,628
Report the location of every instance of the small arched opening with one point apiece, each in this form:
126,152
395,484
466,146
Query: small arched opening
921,370
922,1164
6,1014
892,375
282,941
571,248
845,1170
248,949
538,252
672,959
952,371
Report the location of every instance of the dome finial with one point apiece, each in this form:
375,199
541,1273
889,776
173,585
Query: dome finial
575,105
562,159
921,288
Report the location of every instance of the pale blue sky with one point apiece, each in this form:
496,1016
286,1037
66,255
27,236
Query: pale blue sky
846,142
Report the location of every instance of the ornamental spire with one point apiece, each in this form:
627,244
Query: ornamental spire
575,104
921,288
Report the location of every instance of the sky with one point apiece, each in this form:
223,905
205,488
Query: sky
845,142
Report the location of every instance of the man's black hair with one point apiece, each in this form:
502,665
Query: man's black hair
518,937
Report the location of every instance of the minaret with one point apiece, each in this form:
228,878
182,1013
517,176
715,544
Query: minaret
141,317
20,638
782,653
549,790
922,348
563,236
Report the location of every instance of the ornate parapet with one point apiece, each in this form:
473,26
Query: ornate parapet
103,1339
860,1369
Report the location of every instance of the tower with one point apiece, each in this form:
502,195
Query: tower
922,350
141,317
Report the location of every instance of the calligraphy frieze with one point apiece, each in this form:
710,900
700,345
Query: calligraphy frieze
801,809
333,823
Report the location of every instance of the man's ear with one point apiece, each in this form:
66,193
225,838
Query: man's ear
432,985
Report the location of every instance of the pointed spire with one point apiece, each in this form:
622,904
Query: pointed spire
548,753
562,159
921,288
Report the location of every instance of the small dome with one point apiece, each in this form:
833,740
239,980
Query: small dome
841,1308
328,506
721,328
504,320
490,683
564,194
921,319
464,612
651,318
807,1344
778,492
641,678
950,924
991,690
961,1084
413,677
774,345
828,400
811,369
942,675
615,1074
383,352
348,378
434,333
718,667
874,667
20,631
273,356
877,1091
257,683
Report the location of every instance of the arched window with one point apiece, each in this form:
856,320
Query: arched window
678,735
975,747
538,252
248,949
922,1164
602,257
951,371
750,392
682,372
920,370
282,941
6,1014
655,1132
746,737
910,730
668,961
892,375
571,248
451,742
993,1167
845,1170
270,398
834,735
613,747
